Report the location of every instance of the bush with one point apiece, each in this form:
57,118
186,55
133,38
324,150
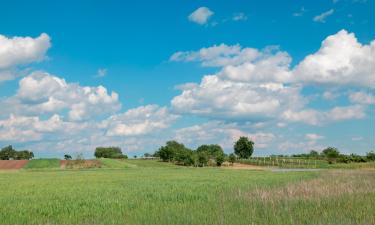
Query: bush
109,152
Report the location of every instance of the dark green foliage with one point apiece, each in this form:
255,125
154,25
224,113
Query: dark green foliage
9,152
244,148
67,157
370,156
232,158
213,152
220,159
202,159
331,153
109,152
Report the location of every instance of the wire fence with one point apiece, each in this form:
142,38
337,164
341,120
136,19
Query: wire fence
284,162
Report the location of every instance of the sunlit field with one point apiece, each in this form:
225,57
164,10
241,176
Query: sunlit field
151,192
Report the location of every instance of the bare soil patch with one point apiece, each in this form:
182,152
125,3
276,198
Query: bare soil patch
240,166
12,164
79,164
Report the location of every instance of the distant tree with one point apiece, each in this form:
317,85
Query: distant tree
24,154
135,156
168,152
370,156
244,148
314,154
7,153
214,152
232,158
67,157
109,152
202,159
220,159
331,153
146,155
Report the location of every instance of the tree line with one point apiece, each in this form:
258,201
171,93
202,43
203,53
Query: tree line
204,155
9,153
333,155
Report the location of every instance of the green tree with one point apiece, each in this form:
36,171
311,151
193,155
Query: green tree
109,152
232,158
370,156
314,154
220,159
168,152
67,157
24,154
331,153
244,148
7,153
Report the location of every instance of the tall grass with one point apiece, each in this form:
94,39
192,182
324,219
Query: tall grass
153,194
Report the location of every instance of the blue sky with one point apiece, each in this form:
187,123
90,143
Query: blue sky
292,75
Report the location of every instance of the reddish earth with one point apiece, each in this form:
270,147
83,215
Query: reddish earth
12,164
79,164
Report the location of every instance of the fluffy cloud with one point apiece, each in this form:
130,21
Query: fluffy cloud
220,98
362,97
139,121
313,137
219,132
239,17
258,84
322,17
341,60
201,15
32,128
42,93
315,117
22,50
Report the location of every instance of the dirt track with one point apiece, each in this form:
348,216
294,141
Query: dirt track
239,166
83,164
12,164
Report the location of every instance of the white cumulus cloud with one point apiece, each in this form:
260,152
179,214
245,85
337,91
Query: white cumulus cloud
201,15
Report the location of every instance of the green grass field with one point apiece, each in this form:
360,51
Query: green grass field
150,192
43,164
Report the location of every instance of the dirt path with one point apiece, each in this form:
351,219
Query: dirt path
239,166
12,164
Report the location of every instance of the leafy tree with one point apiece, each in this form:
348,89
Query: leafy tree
24,154
220,159
213,152
331,153
202,159
67,157
244,148
146,155
109,152
168,152
7,153
314,154
232,158
370,156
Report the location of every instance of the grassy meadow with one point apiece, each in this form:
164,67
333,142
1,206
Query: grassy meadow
151,192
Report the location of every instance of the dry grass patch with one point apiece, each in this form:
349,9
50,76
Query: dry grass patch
329,184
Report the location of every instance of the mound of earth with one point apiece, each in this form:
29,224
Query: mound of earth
71,164
12,164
